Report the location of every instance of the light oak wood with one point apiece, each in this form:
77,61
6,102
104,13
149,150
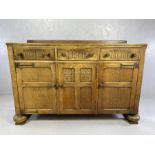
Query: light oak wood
76,77
77,94
117,85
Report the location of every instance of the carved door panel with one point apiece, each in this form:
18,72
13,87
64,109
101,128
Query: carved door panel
117,86
77,91
36,86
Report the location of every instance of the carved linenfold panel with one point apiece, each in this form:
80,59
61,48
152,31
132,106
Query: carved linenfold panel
69,74
34,54
85,74
78,54
123,54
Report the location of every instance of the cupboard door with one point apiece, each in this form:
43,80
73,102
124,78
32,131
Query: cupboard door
36,86
77,91
117,86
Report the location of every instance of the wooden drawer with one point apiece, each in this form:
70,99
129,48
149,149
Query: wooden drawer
78,53
34,53
119,54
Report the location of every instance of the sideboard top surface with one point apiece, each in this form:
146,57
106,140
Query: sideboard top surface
78,41
74,43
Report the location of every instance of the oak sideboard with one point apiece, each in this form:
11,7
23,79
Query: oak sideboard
76,77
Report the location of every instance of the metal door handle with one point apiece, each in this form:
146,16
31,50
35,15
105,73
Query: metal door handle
58,85
52,85
101,84
135,65
24,65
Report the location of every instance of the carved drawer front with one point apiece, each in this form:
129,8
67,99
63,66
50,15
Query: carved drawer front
78,53
119,54
34,53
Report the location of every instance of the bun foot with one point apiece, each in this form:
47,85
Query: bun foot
133,119
20,119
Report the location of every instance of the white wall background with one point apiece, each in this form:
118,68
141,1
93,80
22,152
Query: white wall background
135,31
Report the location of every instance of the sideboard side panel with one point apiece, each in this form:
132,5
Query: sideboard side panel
14,80
139,82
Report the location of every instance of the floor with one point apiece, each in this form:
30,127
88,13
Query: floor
75,125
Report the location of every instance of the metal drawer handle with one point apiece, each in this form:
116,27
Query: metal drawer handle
106,55
21,55
132,55
49,55
63,54
89,55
